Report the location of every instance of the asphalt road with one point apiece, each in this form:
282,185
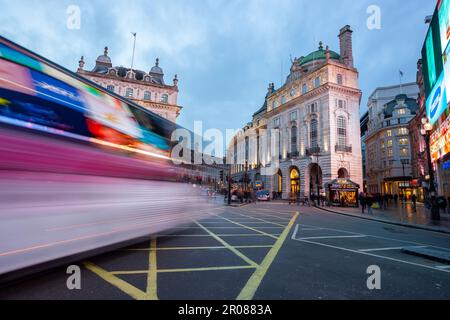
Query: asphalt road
264,251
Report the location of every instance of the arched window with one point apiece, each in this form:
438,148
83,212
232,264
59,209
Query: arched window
339,79
295,181
294,148
304,88
147,95
165,98
110,88
317,82
341,131
129,93
314,133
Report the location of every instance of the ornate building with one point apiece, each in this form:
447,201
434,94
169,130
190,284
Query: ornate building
315,115
146,89
388,145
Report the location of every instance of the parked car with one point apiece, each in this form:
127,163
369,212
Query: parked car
263,195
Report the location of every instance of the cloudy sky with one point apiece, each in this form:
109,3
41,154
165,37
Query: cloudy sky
225,52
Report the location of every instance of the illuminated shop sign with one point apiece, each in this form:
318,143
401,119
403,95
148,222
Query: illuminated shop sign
444,23
437,101
440,140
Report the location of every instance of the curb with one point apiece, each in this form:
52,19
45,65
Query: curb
402,224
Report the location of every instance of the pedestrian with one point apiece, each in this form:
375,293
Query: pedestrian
369,202
442,203
396,198
362,201
414,201
448,204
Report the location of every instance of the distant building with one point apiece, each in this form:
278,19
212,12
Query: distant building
364,127
419,158
316,115
388,147
147,89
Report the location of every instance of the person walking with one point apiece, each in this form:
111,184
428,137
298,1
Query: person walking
414,201
369,202
362,202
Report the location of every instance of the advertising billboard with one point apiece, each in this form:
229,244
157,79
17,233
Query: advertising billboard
444,23
437,101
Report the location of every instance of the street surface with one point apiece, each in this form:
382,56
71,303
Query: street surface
263,251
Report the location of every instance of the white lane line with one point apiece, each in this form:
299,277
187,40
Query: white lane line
389,249
386,238
294,235
374,255
311,229
332,237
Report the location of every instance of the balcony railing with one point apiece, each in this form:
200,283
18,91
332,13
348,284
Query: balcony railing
347,149
312,151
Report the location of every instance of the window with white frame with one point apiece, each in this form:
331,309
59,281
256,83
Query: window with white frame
110,88
276,122
317,82
341,104
294,116
341,131
129,93
314,134
304,88
294,148
165,98
340,79
147,95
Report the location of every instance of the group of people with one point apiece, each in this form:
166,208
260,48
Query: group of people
380,201
242,196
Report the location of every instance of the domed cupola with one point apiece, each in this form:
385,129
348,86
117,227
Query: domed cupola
157,73
319,56
103,63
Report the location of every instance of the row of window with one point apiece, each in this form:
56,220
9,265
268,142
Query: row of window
129,93
304,89
314,131
400,132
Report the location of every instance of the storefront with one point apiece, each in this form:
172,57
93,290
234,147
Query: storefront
342,193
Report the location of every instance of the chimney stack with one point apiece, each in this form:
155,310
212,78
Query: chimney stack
346,46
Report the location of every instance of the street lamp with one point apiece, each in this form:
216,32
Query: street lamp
426,130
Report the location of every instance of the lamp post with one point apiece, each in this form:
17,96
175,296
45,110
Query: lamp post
426,133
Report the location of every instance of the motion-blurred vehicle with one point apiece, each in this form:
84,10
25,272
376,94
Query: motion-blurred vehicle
82,169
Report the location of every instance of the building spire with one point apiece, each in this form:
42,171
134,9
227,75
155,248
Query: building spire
106,51
81,64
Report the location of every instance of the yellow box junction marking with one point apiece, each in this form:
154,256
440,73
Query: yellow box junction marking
247,292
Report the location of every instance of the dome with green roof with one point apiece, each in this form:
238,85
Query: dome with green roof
319,55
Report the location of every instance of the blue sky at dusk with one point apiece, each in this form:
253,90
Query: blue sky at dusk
224,52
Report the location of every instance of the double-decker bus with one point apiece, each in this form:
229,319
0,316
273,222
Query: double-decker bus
81,168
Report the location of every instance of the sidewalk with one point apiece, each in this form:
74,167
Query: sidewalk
400,214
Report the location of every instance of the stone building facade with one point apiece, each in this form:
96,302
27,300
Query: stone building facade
147,89
315,119
388,145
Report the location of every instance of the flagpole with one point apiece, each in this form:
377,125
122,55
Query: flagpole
134,49
401,82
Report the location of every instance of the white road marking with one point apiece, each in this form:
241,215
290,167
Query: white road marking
443,267
388,249
294,235
332,237
374,255
385,238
